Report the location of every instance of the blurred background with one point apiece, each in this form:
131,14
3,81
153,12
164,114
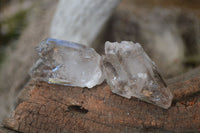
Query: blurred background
168,30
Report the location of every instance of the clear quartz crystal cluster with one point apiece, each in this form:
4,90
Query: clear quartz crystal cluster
130,72
126,67
67,63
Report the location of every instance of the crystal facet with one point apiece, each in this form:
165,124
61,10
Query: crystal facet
130,72
67,63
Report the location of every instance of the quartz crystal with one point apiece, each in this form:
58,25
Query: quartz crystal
67,63
130,72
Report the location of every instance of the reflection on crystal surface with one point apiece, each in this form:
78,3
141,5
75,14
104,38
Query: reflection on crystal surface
67,63
130,72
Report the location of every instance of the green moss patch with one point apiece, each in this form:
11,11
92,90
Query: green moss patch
10,30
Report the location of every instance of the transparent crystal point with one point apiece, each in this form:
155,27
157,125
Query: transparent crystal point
67,63
130,72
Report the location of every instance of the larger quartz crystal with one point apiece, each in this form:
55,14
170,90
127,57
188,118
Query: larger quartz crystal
130,72
67,63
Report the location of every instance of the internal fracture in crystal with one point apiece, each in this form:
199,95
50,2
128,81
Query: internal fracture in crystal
130,72
67,63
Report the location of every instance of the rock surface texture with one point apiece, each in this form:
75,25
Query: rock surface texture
130,72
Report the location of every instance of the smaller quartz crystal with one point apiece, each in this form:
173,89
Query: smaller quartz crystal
130,72
67,63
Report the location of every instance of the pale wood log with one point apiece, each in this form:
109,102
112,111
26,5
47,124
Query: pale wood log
81,20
